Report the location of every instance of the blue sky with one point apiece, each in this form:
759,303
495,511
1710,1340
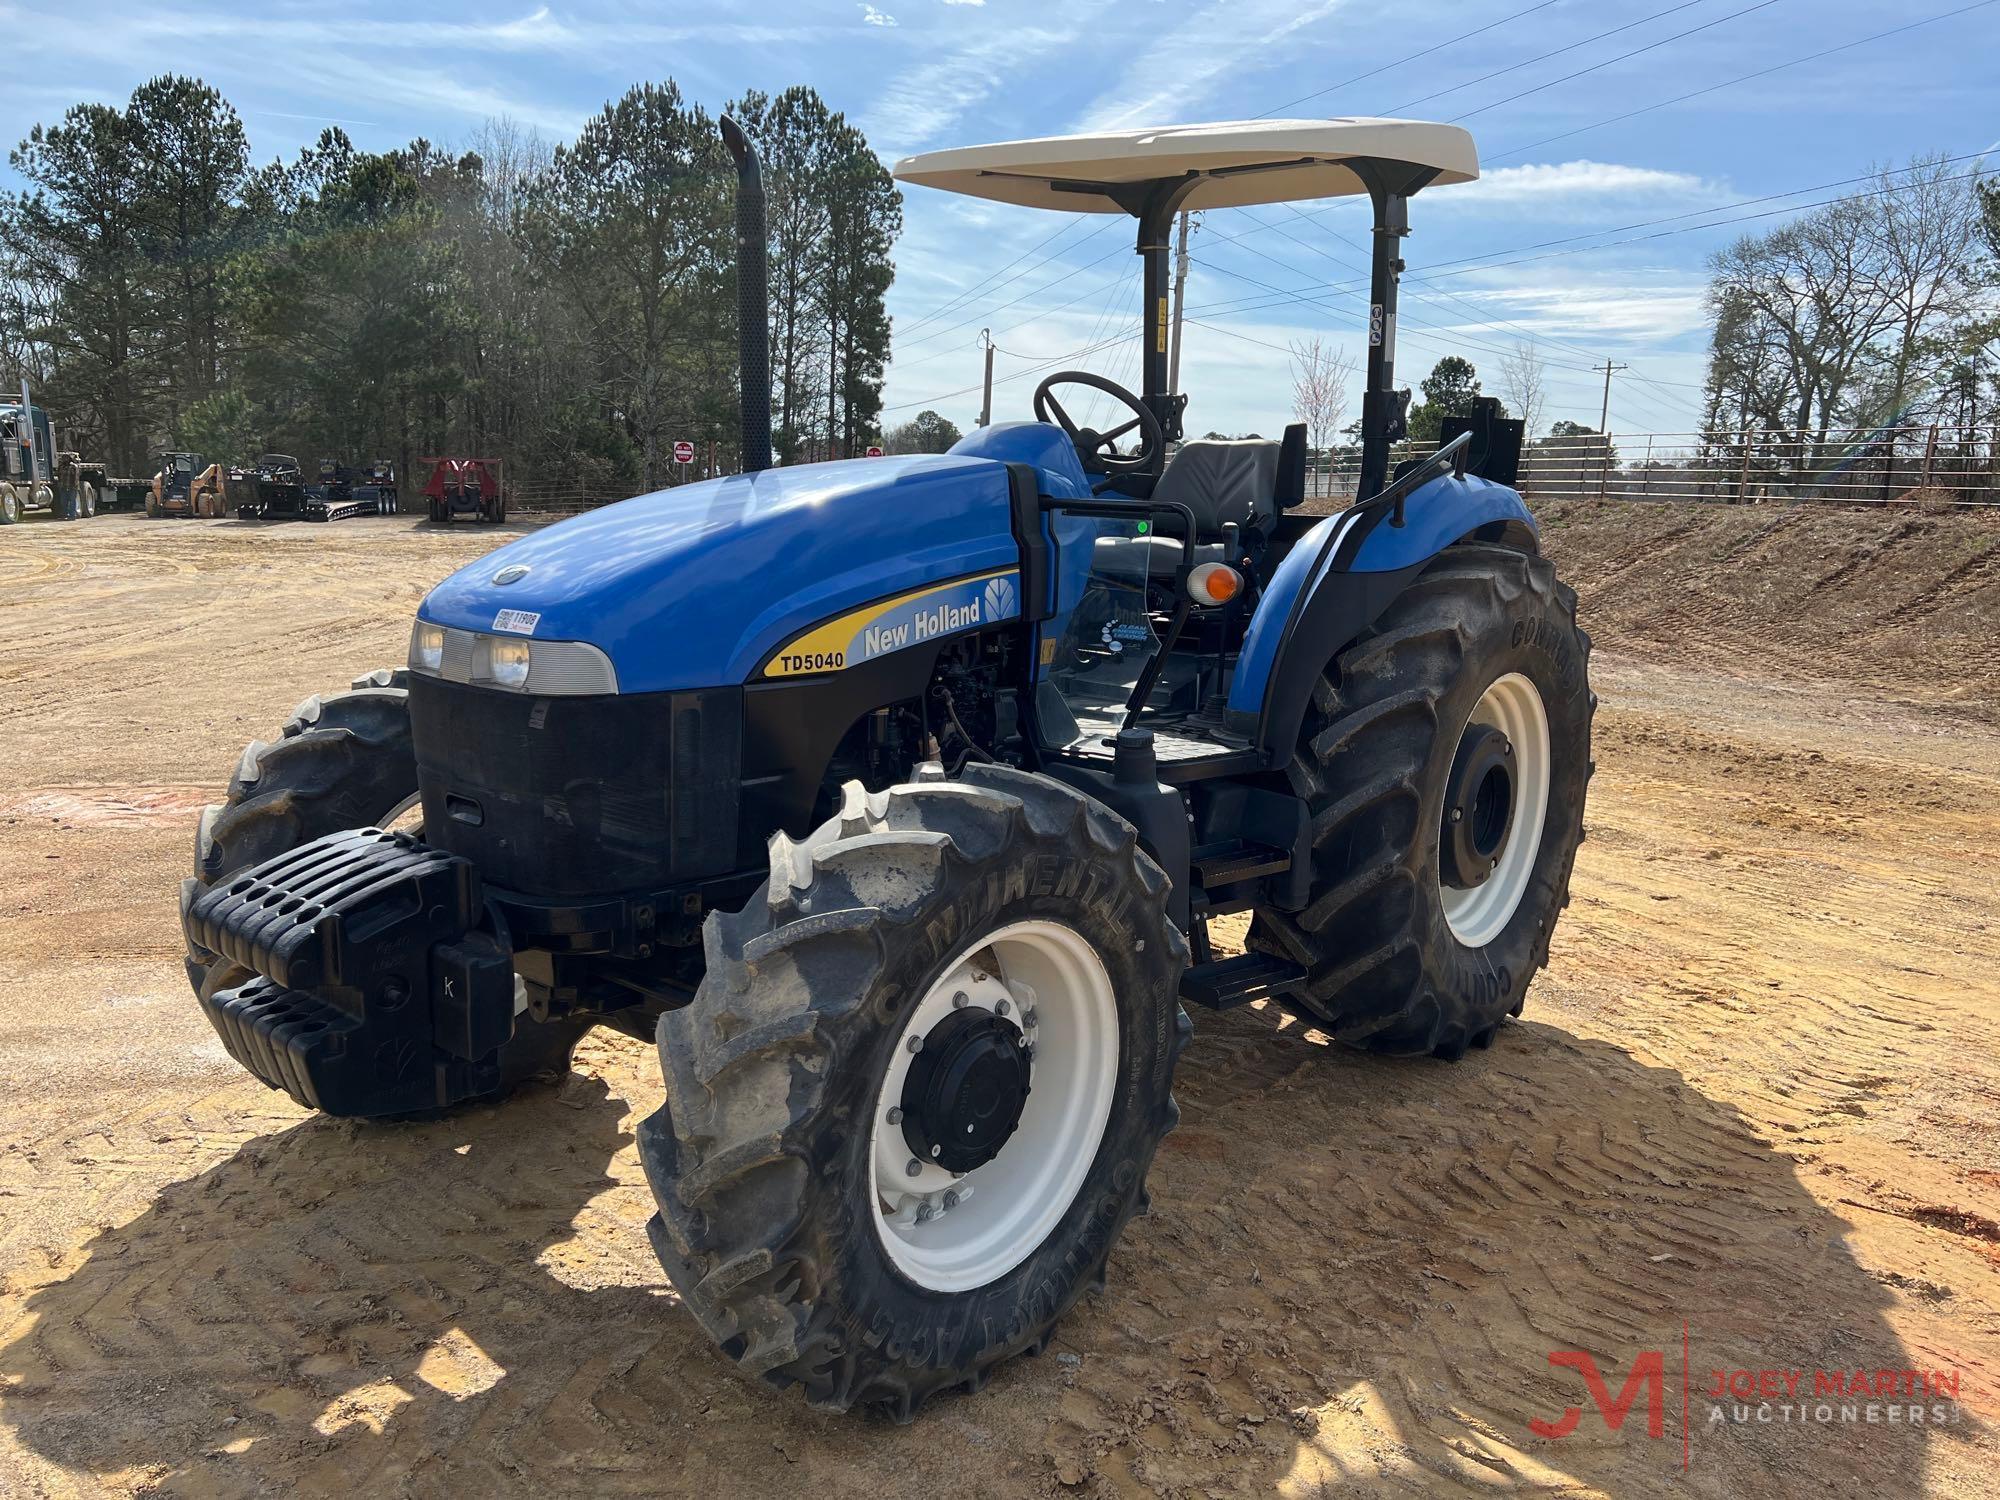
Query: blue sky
923,74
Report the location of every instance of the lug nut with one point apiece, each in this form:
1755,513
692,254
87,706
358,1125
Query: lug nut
913,1168
938,1150
950,1199
1001,1007
895,1114
1028,1016
968,1131
1020,1041
925,1213
916,1044
1458,815
960,1000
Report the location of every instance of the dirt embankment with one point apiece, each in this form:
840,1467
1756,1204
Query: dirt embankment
1905,604
1754,1103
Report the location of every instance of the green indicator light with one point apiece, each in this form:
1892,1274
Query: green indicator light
1144,527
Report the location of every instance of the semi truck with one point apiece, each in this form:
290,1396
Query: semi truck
35,476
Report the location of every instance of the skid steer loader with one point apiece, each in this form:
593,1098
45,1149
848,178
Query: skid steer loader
893,799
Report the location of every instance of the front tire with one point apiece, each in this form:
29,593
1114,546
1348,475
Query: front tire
1470,696
794,1107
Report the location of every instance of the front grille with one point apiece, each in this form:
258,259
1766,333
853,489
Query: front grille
561,796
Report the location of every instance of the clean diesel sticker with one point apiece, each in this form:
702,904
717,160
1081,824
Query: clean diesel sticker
517,621
893,624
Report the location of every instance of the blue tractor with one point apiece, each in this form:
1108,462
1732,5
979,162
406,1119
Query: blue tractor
895,798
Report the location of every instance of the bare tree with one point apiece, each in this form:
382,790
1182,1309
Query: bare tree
1321,374
1930,263
1523,386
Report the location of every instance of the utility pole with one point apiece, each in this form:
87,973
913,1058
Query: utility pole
1180,300
1604,430
986,401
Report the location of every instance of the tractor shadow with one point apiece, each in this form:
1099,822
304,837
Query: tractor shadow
1353,1276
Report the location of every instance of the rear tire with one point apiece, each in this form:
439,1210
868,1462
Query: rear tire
343,761
1400,956
767,1157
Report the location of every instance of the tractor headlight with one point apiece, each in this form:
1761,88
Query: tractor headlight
548,669
427,648
503,663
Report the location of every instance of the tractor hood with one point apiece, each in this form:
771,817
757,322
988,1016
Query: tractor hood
696,586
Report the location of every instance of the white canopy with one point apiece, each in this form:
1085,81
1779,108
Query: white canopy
1261,161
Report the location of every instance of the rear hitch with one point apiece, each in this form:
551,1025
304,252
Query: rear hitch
383,987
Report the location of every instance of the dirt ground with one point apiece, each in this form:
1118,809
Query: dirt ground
1752,1106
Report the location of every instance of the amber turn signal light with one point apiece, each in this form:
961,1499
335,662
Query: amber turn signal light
1214,583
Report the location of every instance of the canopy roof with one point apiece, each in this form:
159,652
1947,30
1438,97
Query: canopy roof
1258,161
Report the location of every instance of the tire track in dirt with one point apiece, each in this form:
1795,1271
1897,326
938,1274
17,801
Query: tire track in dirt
1973,576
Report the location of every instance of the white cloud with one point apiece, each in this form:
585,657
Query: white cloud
870,16
964,2
1177,71
1635,305
1575,179
916,106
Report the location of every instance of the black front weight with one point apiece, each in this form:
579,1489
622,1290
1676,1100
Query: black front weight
377,991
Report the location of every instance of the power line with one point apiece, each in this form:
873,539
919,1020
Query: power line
1622,57
1692,228
1446,337
964,297
1744,78
1463,36
1017,375
1539,57
1485,314
980,285
1025,296
1467,264
1715,208
1117,281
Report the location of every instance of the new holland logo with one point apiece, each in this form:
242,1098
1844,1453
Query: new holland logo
999,599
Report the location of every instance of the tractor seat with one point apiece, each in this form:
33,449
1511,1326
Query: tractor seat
1219,481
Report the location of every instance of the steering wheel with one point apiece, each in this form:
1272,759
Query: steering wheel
1098,451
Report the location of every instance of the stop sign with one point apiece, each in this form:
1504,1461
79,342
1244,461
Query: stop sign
683,453
874,452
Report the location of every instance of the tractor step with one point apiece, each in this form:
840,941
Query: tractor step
1237,859
1226,983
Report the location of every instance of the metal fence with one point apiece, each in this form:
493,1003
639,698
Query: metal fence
1938,466
1943,466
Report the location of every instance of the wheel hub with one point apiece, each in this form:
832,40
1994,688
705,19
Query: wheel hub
1479,807
966,1088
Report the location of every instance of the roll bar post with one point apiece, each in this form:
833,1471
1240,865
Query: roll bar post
1384,409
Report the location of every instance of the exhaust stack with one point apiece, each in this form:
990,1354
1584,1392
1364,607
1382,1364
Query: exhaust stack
753,311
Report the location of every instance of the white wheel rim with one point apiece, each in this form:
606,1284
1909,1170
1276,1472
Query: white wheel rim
1048,977
1478,914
